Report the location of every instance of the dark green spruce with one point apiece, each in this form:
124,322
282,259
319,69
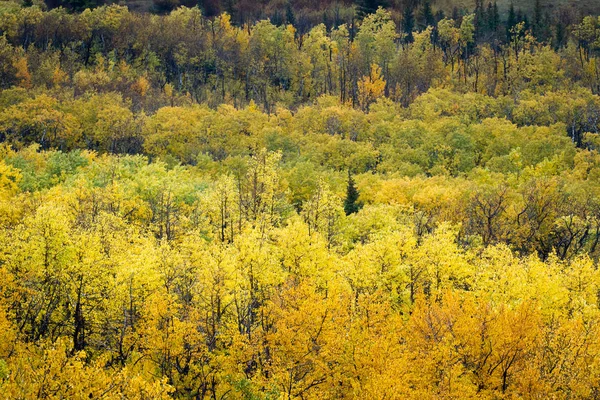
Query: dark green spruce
351,204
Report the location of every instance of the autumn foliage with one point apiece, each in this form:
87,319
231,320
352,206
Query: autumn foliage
192,209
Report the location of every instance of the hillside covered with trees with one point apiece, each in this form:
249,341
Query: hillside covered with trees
399,204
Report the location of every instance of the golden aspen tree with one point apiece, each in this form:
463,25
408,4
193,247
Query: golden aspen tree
324,213
370,87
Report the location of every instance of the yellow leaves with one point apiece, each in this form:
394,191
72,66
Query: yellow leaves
305,340
371,87
108,17
9,180
382,264
582,282
166,333
186,17
114,123
258,268
389,313
142,85
225,22
439,264
467,29
448,32
261,191
47,233
23,73
41,120
323,213
220,204
375,40
176,131
85,80
59,76
467,343
305,254
213,278
168,90
290,30
49,372
9,336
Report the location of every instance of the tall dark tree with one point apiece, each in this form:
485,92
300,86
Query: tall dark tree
493,20
408,24
560,35
290,17
351,204
426,17
79,5
493,17
543,32
525,21
537,18
277,18
511,21
480,19
366,7
230,7
456,14
210,8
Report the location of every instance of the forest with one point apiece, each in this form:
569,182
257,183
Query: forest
314,200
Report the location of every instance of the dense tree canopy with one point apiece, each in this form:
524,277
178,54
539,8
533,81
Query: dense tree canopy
195,208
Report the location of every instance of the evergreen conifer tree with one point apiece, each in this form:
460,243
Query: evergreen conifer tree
510,22
290,17
366,7
426,17
351,204
408,23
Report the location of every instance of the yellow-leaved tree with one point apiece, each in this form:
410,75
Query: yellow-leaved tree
370,87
